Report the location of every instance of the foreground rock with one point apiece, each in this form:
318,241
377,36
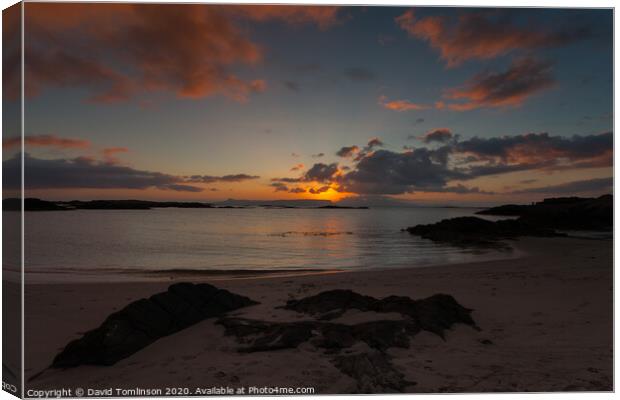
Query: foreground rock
370,367
372,371
474,231
258,336
144,321
434,314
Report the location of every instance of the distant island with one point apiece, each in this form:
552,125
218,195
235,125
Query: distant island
33,204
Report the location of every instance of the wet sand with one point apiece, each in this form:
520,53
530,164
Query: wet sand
546,322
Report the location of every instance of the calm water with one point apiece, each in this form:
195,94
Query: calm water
105,245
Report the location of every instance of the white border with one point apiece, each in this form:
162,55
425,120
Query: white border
440,3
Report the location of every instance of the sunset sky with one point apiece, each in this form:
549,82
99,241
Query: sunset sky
199,102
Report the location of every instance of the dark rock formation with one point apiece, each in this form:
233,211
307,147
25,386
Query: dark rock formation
260,336
372,369
131,204
373,372
144,321
563,213
30,204
435,314
508,210
343,207
473,231
332,300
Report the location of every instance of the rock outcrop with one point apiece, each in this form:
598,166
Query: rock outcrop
372,368
478,232
144,321
562,213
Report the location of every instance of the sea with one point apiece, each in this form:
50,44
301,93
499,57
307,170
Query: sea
133,245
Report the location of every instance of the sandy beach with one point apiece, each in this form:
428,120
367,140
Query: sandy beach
545,319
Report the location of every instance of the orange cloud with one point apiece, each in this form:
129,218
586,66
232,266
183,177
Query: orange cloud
512,87
400,105
109,154
46,141
297,167
479,35
322,16
120,51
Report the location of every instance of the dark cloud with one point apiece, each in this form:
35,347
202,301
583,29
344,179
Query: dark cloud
485,35
318,155
85,173
541,148
292,86
599,185
279,187
45,141
358,74
287,180
458,188
297,167
320,172
319,190
441,135
181,188
387,172
283,187
524,78
347,151
224,178
372,143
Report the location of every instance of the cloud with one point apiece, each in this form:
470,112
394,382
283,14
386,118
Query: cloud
598,185
387,172
484,35
45,141
536,148
292,86
283,187
512,87
318,155
320,172
86,173
188,50
358,74
458,188
225,178
109,154
288,180
347,151
372,143
181,188
442,169
319,190
279,187
401,105
322,16
441,135
297,167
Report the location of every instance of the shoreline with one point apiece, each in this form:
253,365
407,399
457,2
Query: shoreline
546,318
136,276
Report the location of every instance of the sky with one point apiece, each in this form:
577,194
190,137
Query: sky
210,102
